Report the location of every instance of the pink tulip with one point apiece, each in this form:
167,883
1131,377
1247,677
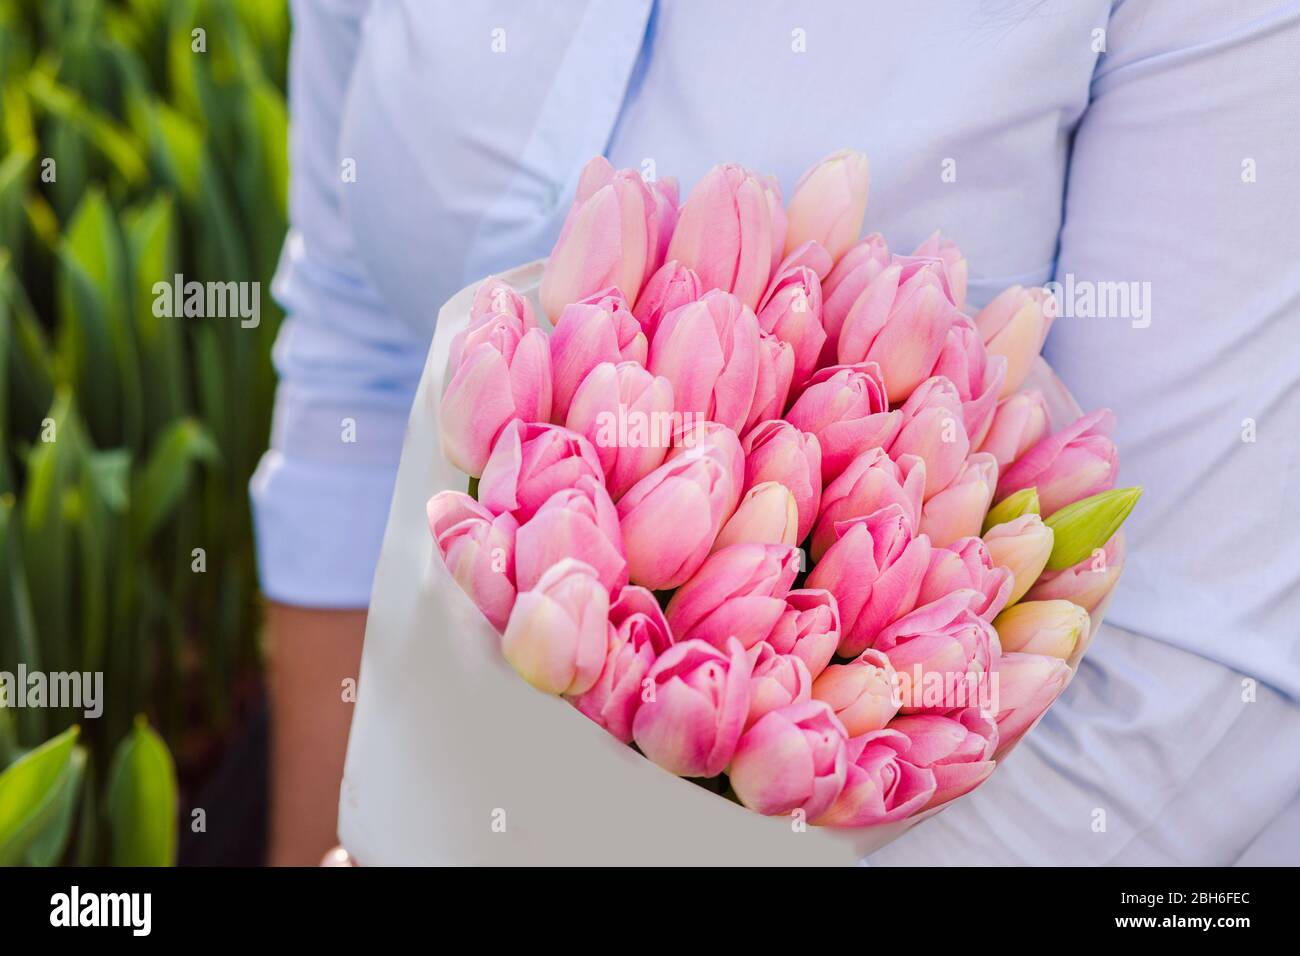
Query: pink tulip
958,511
578,522
696,438
1022,546
638,634
776,212
693,708
1015,325
792,311
957,748
809,628
1026,686
967,565
872,481
709,350
808,255
874,570
478,549
494,297
504,375
767,514
1053,628
672,287
738,592
943,653
1087,583
977,376
792,759
862,693
663,223
829,202
610,237
954,264
1076,462
557,635
776,681
627,415
880,786
529,463
932,429
846,408
1019,422
588,333
777,451
724,233
671,517
772,388
845,284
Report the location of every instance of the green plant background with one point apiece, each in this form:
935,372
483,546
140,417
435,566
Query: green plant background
133,148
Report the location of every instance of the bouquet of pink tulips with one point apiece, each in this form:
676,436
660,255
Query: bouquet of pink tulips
767,502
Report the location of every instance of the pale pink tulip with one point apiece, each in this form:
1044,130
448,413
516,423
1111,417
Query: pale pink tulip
932,428
1019,422
738,592
845,284
872,481
792,759
829,202
478,549
532,461
767,514
627,415
958,748
776,680
809,628
880,786
943,653
578,522
967,565
777,451
1077,462
978,376
1022,546
1087,583
493,297
954,264
807,255
846,408
588,333
697,438
1052,628
958,510
776,212
792,311
670,288
557,635
862,693
1015,325
1026,686
693,708
772,388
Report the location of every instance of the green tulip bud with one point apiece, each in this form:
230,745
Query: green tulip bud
1083,527
1023,502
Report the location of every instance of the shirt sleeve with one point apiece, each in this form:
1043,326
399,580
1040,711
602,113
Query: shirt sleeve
1183,177
348,368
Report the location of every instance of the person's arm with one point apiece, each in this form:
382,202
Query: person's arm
348,369
1175,742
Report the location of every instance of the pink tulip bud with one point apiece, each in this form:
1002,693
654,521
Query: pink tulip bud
1052,628
1087,583
494,297
943,653
845,284
638,634
627,415
872,481
671,517
862,693
792,311
1077,462
776,211
724,233
578,522
874,570
529,463
663,220
776,681
792,759
880,786
1026,686
809,628
610,238
709,351
777,451
932,429
478,549
738,592
958,511
978,376
772,388
1019,422
767,514
967,565
957,748
1015,325
696,438
829,202
954,264
1022,546
504,375
587,334
557,635
672,287
808,255
846,408
694,707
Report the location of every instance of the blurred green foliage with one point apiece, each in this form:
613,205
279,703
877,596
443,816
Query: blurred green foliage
138,139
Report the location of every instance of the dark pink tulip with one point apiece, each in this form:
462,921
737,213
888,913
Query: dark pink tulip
775,681
1019,423
967,565
958,511
874,570
669,289
880,786
958,748
872,481
845,283
588,333
1027,684
578,522
846,408
693,708
792,311
977,376
777,451
532,461
626,414
775,371
943,653
478,549
1078,461
809,628
738,592
932,428
638,634
793,758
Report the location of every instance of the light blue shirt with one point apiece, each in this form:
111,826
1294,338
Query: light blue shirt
1153,142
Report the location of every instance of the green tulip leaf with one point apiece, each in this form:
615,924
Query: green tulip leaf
142,800
32,796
